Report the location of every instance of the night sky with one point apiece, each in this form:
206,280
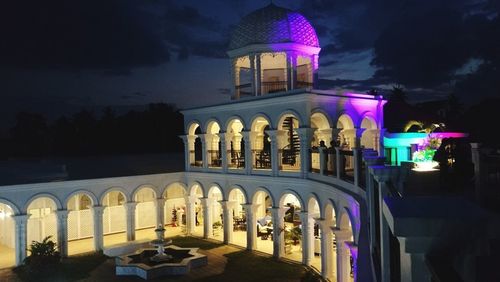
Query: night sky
59,56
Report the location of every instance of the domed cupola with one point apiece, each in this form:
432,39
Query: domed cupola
273,49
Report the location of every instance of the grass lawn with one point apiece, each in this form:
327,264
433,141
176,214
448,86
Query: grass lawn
190,242
246,266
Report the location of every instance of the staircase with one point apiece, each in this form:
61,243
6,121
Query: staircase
292,150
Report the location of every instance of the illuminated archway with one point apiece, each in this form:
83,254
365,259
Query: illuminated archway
291,237
262,203
80,224
288,143
237,217
175,209
145,213
196,195
235,144
213,144
369,135
7,236
261,143
214,218
114,218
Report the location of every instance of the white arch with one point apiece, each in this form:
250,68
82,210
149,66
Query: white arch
89,194
345,121
292,192
289,113
192,188
231,120
212,126
237,187
114,189
144,186
192,126
164,191
42,195
264,190
11,205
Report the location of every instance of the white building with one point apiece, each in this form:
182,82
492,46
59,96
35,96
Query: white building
280,157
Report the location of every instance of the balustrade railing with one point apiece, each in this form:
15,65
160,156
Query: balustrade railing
261,159
288,160
215,158
273,86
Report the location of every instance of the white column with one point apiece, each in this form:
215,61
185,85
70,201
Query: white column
62,232
252,71
326,248
358,133
228,221
187,159
160,211
339,162
251,226
207,219
278,233
322,164
223,153
307,238
258,87
236,77
384,234
204,152
130,216
248,152
353,251
97,212
315,67
273,134
343,256
305,135
190,214
21,235
356,152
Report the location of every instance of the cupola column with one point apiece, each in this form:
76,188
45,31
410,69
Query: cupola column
236,77
258,75
252,71
315,67
291,65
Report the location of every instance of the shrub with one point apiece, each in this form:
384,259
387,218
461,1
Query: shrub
43,257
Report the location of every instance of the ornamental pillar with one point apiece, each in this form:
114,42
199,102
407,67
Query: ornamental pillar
291,64
343,255
236,77
353,250
228,221
305,136
326,248
223,153
358,133
21,235
278,234
97,212
253,72
204,152
251,226
207,219
160,211
307,238
384,230
187,152
258,73
315,67
248,151
130,212
357,154
190,214
273,135
340,164
62,232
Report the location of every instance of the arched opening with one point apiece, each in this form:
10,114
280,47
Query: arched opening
263,203
237,217
145,213
214,145
235,145
7,237
194,144
114,218
304,72
291,237
273,72
346,132
261,144
321,139
288,143
369,135
198,148
314,232
42,221
330,258
80,224
197,194
243,77
214,218
345,259
175,210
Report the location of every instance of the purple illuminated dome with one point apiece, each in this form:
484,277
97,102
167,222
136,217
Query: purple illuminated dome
271,25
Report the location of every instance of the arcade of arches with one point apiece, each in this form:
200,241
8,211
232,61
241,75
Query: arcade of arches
289,226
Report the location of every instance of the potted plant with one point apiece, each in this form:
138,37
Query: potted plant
217,225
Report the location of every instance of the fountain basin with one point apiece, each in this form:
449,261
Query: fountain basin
140,263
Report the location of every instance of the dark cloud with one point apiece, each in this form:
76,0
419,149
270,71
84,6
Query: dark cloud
89,34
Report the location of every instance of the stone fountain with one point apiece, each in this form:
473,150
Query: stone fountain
165,259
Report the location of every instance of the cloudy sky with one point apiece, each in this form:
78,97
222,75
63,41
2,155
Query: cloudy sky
59,56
